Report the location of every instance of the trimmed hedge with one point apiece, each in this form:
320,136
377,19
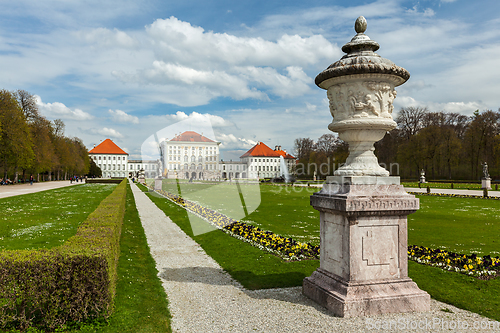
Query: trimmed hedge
73,282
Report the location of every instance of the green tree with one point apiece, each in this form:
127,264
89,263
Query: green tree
43,147
94,170
480,141
16,146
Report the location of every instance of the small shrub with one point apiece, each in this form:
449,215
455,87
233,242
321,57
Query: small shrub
485,192
451,185
428,189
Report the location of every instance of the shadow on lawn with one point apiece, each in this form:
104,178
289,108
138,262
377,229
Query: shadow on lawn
217,276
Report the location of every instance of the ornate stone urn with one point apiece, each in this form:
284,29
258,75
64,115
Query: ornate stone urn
363,211
361,92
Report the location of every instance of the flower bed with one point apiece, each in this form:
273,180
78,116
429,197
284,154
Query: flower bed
454,195
287,248
466,264
290,249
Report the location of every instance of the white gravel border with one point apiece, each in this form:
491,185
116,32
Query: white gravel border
204,298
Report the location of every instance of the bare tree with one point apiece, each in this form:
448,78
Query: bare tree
410,120
27,102
59,127
303,148
327,143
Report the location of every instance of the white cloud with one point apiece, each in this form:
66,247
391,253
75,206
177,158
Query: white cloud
214,83
311,107
465,108
108,38
229,66
59,110
294,84
195,117
229,141
106,132
122,117
428,12
179,42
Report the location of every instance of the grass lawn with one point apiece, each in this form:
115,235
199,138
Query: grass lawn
48,218
253,268
286,211
141,303
459,224
460,290
457,186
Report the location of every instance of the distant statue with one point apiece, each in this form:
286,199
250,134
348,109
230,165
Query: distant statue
422,176
159,168
486,175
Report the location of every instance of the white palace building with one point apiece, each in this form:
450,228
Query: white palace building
193,156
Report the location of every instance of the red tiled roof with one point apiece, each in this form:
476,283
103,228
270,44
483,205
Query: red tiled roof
262,150
107,147
191,136
284,154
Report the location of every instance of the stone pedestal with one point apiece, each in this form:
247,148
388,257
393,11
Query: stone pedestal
486,183
422,179
364,261
158,184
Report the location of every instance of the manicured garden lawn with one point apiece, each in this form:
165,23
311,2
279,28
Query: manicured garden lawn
458,186
460,290
141,303
47,219
286,211
253,268
459,224
228,198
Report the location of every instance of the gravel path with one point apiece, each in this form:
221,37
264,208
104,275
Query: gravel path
204,298
19,189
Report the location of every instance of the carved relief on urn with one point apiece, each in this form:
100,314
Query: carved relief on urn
361,99
360,88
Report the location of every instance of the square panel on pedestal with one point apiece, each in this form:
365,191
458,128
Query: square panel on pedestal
332,241
379,252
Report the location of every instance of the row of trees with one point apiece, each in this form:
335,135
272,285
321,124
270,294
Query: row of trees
32,145
446,145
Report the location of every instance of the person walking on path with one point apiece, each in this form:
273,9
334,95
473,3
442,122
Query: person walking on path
31,180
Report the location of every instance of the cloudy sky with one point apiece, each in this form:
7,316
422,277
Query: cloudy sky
127,69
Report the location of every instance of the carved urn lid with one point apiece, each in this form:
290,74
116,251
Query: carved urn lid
361,59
